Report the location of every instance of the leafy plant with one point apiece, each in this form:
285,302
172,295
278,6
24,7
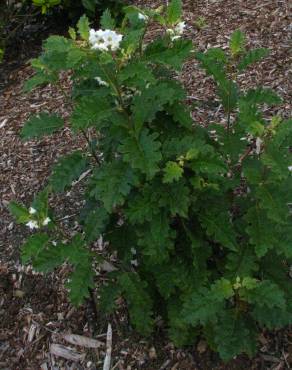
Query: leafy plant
45,4
198,216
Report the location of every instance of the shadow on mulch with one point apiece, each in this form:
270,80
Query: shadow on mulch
27,42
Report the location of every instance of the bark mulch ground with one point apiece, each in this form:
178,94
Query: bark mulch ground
34,310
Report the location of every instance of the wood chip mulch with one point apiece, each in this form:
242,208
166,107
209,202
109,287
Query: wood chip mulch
34,311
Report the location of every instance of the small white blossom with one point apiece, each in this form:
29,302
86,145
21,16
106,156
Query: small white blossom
177,31
142,17
32,224
112,39
100,81
96,40
104,40
54,243
179,28
290,168
46,221
32,211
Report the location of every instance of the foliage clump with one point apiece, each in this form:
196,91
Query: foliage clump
198,216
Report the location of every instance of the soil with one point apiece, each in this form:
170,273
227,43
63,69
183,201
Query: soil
34,309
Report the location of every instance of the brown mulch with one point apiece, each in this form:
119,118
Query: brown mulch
34,310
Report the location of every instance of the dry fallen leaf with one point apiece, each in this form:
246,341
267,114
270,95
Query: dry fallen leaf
152,353
202,346
65,352
83,341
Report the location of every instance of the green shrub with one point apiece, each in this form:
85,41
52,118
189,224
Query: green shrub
198,216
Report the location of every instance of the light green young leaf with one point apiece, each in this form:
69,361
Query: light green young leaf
83,27
172,172
72,33
237,43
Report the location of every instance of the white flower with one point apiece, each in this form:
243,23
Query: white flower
32,211
179,28
290,168
100,81
46,221
104,40
177,31
112,39
142,17
96,39
32,224
54,243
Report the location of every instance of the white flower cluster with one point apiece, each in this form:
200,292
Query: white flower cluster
100,81
176,32
106,40
33,224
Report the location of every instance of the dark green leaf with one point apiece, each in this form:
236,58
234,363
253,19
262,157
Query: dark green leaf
68,169
41,125
252,56
106,21
142,153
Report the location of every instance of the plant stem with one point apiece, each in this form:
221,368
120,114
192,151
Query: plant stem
228,114
90,147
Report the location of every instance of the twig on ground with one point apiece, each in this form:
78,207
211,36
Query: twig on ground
107,360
